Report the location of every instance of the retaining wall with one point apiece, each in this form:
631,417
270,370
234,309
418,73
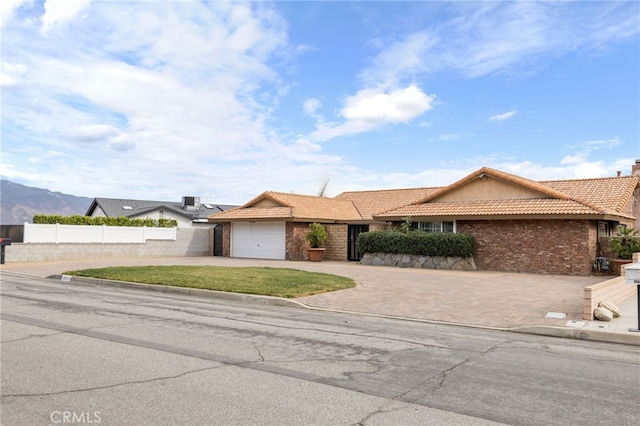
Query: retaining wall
188,242
614,290
414,261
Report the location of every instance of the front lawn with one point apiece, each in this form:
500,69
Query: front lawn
279,282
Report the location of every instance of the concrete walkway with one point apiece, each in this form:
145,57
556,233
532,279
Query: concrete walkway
509,301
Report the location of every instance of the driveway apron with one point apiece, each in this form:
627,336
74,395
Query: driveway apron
478,298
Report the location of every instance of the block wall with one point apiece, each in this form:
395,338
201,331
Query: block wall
564,247
336,244
614,290
189,242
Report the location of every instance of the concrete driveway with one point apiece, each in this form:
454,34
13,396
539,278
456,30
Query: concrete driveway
480,298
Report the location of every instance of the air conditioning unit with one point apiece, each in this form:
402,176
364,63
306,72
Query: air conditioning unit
190,203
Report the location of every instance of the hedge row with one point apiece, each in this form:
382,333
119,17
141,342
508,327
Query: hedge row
418,243
108,221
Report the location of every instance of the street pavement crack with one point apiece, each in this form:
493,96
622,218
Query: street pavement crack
380,410
31,336
255,346
115,385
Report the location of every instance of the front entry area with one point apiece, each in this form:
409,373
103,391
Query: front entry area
352,249
258,240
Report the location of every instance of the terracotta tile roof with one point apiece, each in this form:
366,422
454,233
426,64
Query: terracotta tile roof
594,197
603,196
536,206
611,194
292,207
369,203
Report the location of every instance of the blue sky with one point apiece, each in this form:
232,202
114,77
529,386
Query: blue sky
161,99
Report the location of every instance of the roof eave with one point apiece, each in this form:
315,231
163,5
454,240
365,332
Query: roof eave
590,216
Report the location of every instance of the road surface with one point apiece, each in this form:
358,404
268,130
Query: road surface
89,354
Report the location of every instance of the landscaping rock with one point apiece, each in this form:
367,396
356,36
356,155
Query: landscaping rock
413,261
603,314
610,306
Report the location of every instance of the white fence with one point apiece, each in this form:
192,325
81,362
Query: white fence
41,233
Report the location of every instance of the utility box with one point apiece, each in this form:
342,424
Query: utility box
632,273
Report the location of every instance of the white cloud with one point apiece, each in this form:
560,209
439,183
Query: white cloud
60,12
161,89
7,9
446,137
92,132
311,107
177,96
499,37
398,106
372,108
11,73
504,116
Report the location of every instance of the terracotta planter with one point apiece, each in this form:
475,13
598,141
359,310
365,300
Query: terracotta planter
617,265
315,254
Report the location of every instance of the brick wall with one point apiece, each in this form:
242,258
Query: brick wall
189,242
565,247
336,244
297,245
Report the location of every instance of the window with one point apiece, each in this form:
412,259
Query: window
435,226
605,229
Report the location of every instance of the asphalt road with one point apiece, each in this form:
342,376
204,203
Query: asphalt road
86,354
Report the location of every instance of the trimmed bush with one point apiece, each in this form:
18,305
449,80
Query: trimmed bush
108,221
418,243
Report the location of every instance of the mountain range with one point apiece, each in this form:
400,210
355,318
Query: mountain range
19,203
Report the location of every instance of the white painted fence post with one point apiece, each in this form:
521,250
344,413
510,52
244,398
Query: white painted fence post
57,233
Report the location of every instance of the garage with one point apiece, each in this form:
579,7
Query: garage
258,240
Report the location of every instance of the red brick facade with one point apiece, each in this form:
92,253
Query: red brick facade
563,247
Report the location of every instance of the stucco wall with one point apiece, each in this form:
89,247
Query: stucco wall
189,242
565,247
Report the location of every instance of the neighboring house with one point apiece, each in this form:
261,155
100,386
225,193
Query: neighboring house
520,225
188,213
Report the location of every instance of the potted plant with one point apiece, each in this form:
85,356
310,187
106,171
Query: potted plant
623,245
316,236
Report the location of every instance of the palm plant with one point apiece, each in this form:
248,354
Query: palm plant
625,243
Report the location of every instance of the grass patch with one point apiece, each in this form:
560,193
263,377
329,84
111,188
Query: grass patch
279,282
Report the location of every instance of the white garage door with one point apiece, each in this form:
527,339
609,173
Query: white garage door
258,240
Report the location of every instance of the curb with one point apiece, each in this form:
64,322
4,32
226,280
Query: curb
549,331
185,291
580,334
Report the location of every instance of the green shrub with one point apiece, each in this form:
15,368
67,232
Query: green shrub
625,243
417,243
108,221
